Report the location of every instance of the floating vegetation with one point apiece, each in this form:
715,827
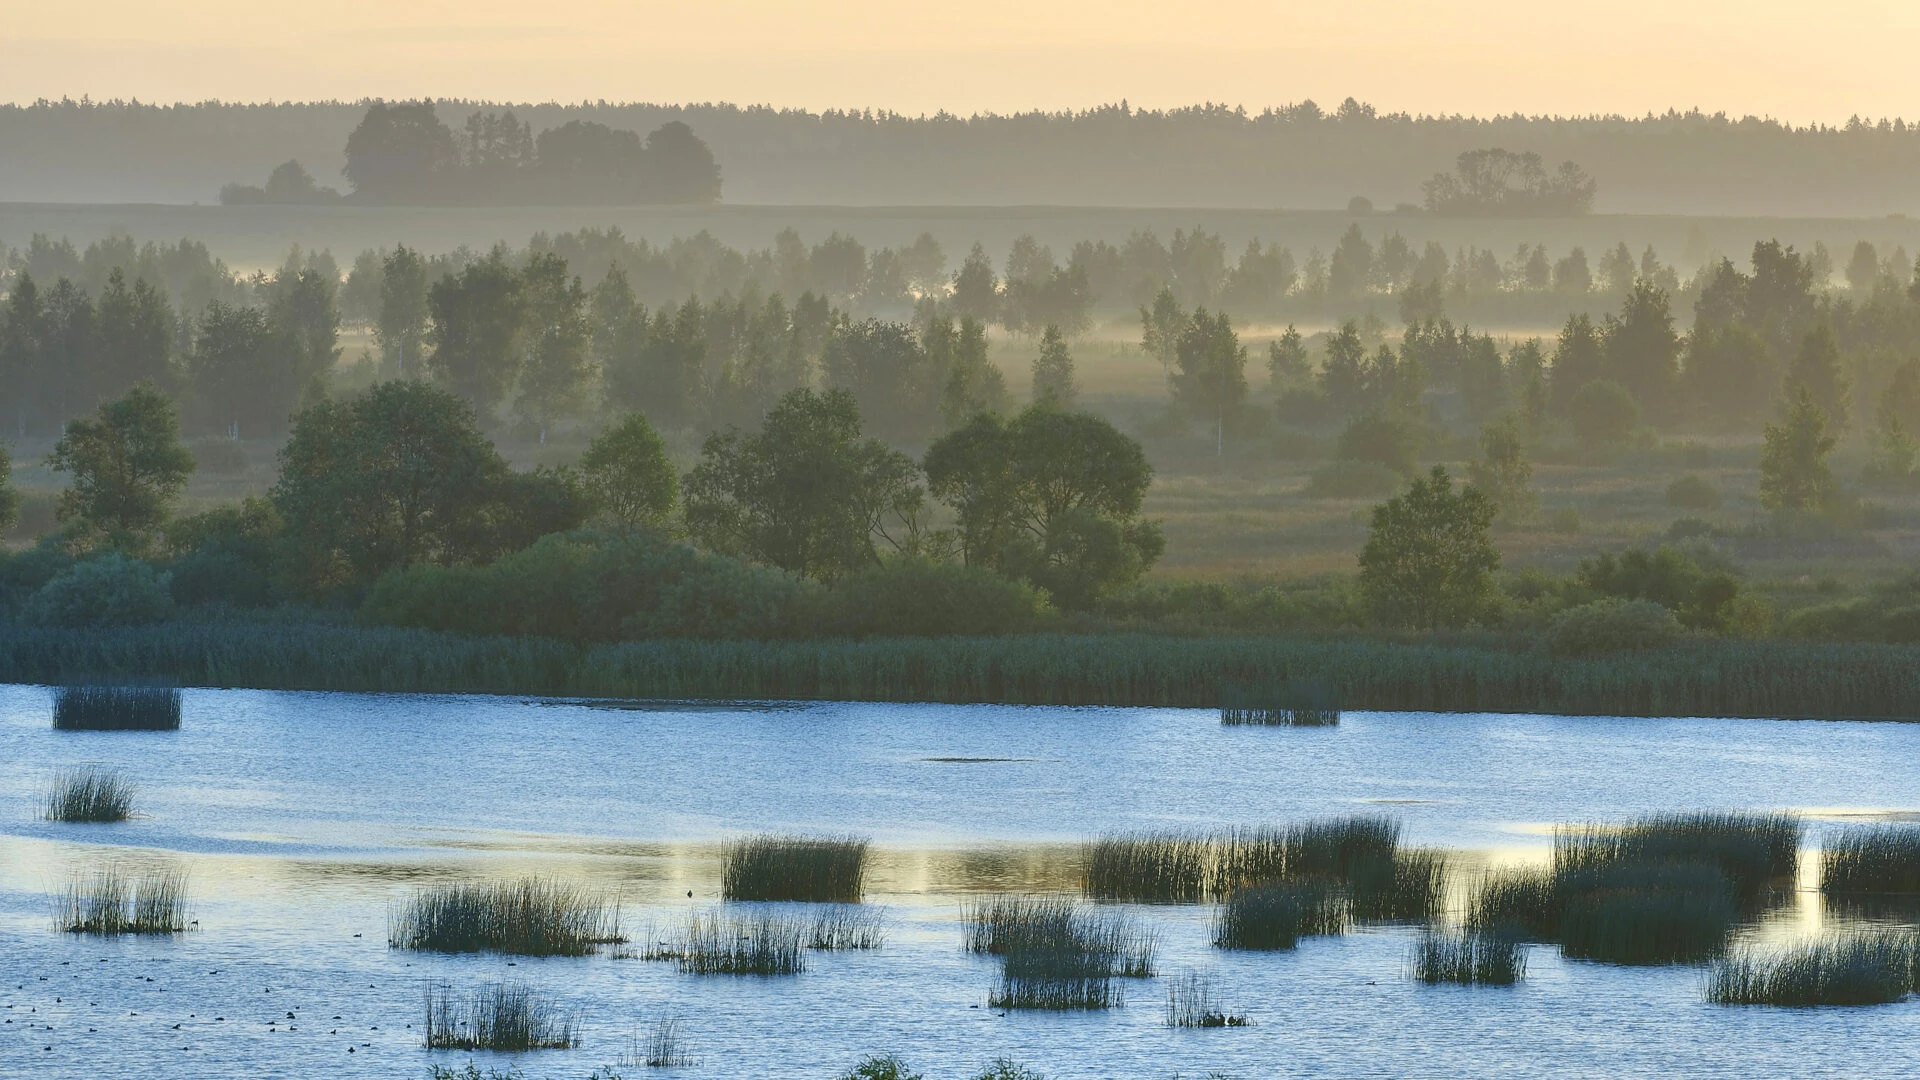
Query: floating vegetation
847,926
506,1017
665,1047
89,794
1405,886
1191,1004
1287,704
528,917
112,901
1751,850
1278,916
1149,867
1875,859
718,943
830,870
1470,959
1867,969
1672,913
116,708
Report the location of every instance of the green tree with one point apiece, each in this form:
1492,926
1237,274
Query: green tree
22,355
555,374
1817,368
1578,359
1343,376
136,337
806,493
1052,498
1603,414
1503,471
396,476
1160,328
231,368
400,328
628,472
1053,383
976,291
1428,560
477,317
1211,381
127,463
305,321
9,498
401,153
1793,462
1863,269
973,384
1288,368
1642,350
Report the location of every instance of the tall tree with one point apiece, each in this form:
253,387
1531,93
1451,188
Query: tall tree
477,318
1428,561
127,465
136,336
558,369
23,355
231,369
1817,368
400,328
976,291
628,472
402,153
1793,461
1053,383
1642,350
1578,359
1212,378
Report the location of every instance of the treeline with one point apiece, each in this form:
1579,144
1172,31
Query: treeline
403,153
1300,155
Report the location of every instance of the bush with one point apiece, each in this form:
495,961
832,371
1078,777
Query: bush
1610,626
1381,439
109,590
1353,480
1603,415
1693,493
915,597
1694,582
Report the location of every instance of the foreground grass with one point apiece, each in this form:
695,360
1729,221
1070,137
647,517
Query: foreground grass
1705,678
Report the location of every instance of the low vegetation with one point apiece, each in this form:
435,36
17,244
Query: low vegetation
116,708
1290,705
847,926
1469,959
1057,953
1881,859
664,1047
814,869
1866,969
1191,1004
501,1017
526,917
722,943
1150,867
1278,916
115,901
90,794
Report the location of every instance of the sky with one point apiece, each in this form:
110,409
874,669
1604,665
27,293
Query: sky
1789,60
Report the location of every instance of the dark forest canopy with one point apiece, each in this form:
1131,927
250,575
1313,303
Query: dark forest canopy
1211,155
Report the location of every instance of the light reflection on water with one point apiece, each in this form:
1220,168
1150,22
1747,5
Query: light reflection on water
300,817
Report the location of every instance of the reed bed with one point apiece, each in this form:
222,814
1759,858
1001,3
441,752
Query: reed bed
1175,867
1469,959
1061,979
1706,677
1520,904
116,708
847,926
1149,867
1867,969
89,793
113,901
1283,705
1877,859
1751,850
665,1047
1270,917
1058,953
720,943
1191,1003
830,870
1646,914
526,917
1406,886
502,1017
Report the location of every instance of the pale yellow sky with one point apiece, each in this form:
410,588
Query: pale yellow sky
1793,60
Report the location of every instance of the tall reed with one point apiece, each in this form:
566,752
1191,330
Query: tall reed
847,926
1470,959
665,1047
114,901
116,708
90,793
504,1017
722,943
1277,916
1867,969
1875,859
1150,867
1750,850
1290,704
1191,1004
816,869
527,917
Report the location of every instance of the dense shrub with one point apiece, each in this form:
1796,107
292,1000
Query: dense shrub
1611,625
1890,613
108,590
1603,414
1381,439
225,555
1694,582
920,598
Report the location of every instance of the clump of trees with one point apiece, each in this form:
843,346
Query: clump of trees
1498,182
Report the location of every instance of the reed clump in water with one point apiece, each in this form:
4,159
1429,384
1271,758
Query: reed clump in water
1672,913
847,926
665,1047
502,1017
1057,953
1061,978
113,901
1268,917
1191,1004
718,943
90,794
1520,904
1406,886
1881,859
526,917
1149,867
116,708
1751,851
829,870
1867,969
1469,959
1287,704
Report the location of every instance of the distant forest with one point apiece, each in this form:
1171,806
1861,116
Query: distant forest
1298,156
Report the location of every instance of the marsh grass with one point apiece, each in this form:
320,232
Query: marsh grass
720,943
1521,904
112,902
1867,969
1191,1004
1270,917
1287,704
1332,847
1646,914
847,926
89,793
1058,953
1469,959
1149,867
1877,859
1064,978
1751,850
116,708
665,1047
526,917
1405,886
503,1017
829,870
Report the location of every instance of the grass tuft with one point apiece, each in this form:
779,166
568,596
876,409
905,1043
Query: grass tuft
89,794
1869,969
1521,904
665,1047
830,870
528,917
1646,914
1149,867
1469,959
1287,704
847,926
504,1017
1191,1004
116,708
112,902
1877,859
1058,953
717,943
1271,917
1406,886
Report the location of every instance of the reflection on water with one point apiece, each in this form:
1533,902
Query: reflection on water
301,817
